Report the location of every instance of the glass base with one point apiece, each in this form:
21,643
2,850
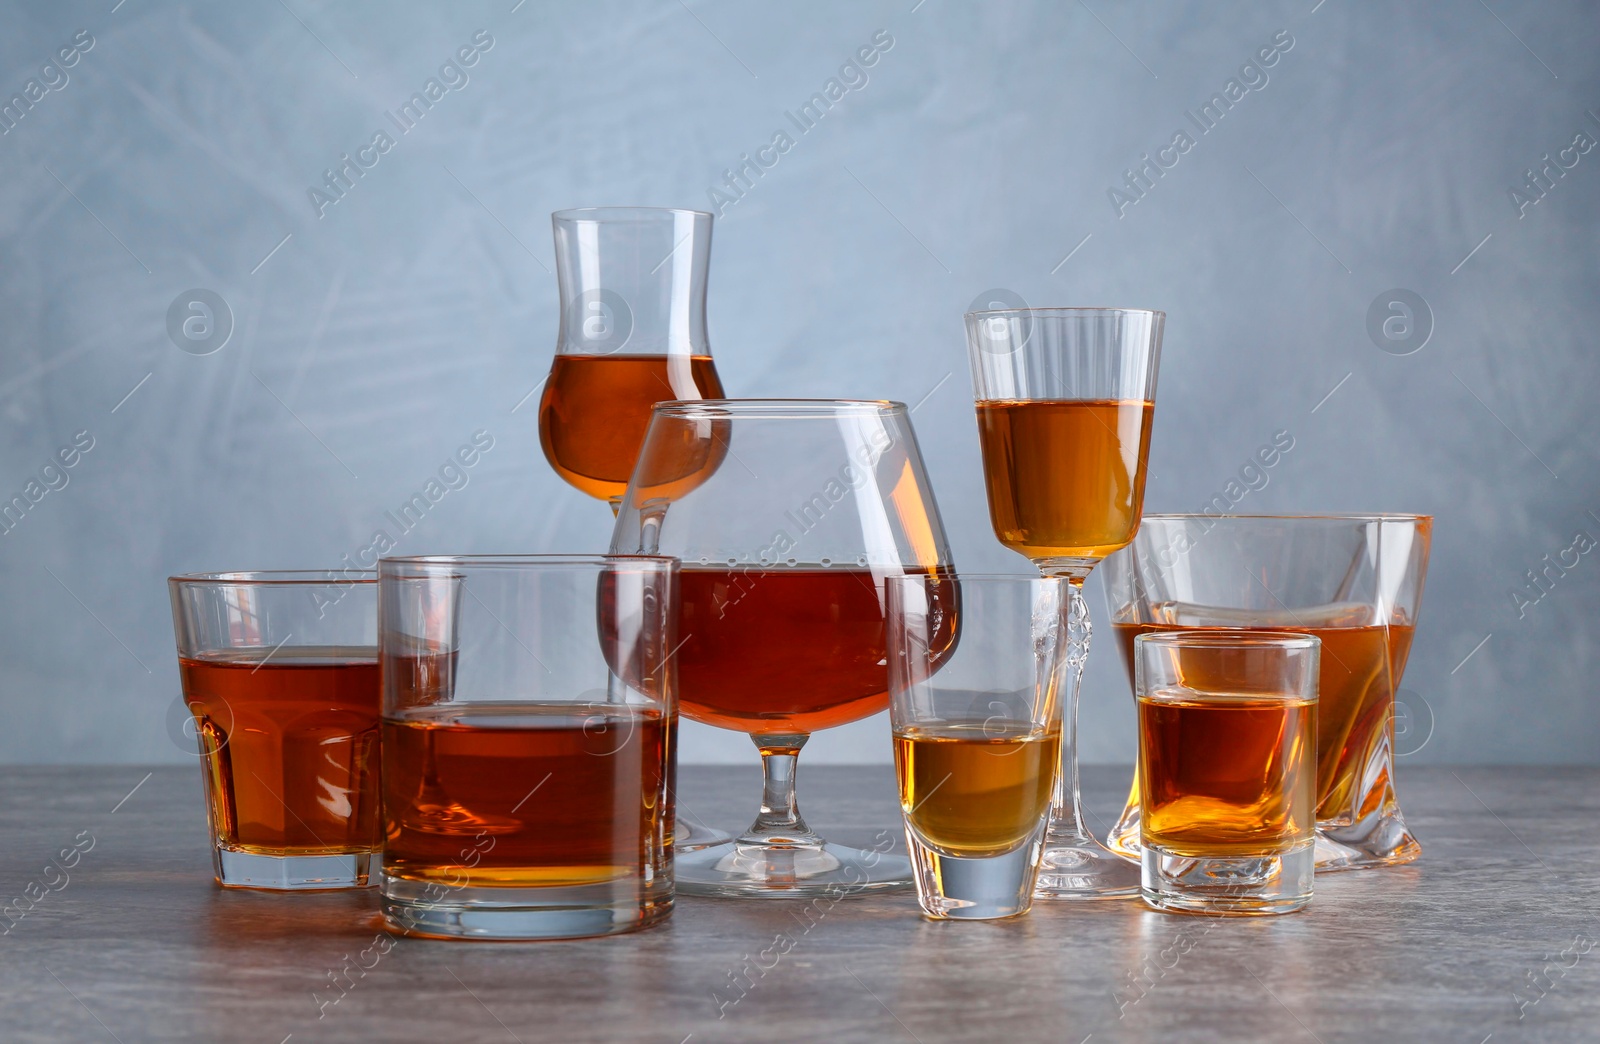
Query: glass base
1083,868
688,836
739,869
291,873
973,889
1234,886
1379,839
548,912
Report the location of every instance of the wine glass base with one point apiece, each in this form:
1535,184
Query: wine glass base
1085,869
688,837
739,869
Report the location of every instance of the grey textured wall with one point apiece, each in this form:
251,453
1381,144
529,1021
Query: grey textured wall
1379,151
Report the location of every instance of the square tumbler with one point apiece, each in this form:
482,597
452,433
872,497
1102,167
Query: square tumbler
280,670
1227,758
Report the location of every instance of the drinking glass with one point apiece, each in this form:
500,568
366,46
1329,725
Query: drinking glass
632,282
975,703
1355,581
280,669
529,744
787,515
633,332
1227,737
1064,400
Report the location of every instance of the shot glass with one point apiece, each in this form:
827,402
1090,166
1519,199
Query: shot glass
280,670
1227,757
977,676
529,744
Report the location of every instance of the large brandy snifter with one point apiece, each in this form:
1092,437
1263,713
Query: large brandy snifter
787,515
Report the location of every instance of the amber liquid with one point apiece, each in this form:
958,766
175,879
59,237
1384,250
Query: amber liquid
1225,775
1065,478
786,650
1355,702
974,790
595,409
289,742
520,794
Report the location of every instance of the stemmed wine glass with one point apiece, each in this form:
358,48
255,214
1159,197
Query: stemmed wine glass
787,515
1064,399
633,332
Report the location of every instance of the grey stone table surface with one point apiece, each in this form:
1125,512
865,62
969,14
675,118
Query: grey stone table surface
1487,937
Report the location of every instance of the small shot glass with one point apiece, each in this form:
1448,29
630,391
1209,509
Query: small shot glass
977,669
280,670
1227,759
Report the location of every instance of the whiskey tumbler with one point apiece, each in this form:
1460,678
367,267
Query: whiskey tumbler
529,744
280,670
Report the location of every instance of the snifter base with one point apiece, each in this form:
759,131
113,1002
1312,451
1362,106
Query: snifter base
688,837
799,871
1084,869
291,873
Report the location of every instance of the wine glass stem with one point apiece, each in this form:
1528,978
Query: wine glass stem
780,820
1066,817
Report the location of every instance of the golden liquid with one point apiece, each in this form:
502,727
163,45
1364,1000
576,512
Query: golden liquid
595,410
1065,477
976,789
789,650
289,739
526,794
1355,685
1226,775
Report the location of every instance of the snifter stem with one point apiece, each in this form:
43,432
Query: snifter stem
780,821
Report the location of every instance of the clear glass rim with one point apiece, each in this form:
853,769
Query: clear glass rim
542,561
982,578
775,407
1229,638
1380,516
261,577
1067,313
638,214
